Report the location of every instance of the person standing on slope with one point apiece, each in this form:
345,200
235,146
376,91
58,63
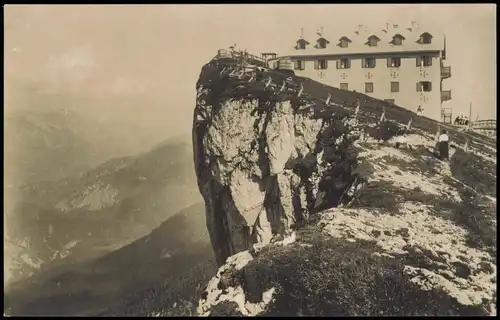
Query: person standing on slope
443,146
420,111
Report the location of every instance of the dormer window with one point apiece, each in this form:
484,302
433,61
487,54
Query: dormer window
372,41
344,42
397,40
321,43
425,38
301,44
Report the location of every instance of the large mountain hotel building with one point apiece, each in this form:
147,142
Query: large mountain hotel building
402,65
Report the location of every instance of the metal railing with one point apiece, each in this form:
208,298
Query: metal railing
240,55
484,124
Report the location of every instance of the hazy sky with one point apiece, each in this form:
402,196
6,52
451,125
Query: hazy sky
150,55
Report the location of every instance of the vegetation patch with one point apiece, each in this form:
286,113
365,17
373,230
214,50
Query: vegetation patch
225,309
474,215
475,172
176,296
323,276
385,131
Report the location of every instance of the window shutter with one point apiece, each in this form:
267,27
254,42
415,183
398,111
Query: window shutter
430,86
338,64
388,62
326,64
316,64
418,61
418,86
363,63
374,62
348,63
430,61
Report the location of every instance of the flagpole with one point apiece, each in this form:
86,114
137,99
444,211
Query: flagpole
470,114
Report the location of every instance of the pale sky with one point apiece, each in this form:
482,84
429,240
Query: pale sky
150,55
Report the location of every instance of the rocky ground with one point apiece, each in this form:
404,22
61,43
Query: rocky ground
377,224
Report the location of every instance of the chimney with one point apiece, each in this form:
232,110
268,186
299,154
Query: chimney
301,33
319,32
387,26
360,27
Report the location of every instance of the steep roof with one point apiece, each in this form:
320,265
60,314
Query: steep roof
358,41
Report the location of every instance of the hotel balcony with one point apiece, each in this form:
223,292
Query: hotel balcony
445,95
445,72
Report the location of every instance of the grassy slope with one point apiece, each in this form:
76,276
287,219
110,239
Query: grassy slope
324,276
319,275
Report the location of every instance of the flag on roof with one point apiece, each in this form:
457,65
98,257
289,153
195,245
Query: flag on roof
443,55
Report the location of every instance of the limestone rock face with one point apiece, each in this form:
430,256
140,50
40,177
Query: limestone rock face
256,157
248,190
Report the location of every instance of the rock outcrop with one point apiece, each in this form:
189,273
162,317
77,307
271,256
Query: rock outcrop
259,157
277,153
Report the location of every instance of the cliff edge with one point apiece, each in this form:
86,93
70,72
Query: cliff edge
319,205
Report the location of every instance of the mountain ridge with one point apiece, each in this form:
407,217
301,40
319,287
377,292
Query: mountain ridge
85,208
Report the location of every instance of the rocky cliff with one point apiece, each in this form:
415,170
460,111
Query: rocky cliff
286,160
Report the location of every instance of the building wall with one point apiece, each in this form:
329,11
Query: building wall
408,74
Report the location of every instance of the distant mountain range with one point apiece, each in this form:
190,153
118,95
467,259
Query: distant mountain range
70,211
169,265
91,214
54,143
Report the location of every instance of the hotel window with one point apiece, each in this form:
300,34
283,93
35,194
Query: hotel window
394,62
397,40
425,38
321,43
368,87
344,42
368,63
372,41
299,64
321,64
394,86
301,44
425,86
424,61
343,64
344,86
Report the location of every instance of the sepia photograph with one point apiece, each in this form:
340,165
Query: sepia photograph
220,160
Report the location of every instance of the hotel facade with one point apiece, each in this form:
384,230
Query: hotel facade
401,65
